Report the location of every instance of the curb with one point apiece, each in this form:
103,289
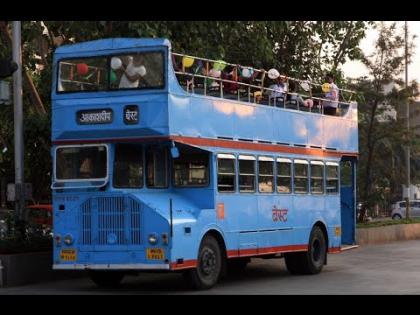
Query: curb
386,234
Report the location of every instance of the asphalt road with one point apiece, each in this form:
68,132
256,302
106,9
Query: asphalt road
375,269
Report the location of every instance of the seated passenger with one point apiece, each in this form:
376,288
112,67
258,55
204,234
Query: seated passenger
279,89
296,99
230,74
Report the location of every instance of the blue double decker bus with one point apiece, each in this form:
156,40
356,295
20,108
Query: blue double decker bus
161,162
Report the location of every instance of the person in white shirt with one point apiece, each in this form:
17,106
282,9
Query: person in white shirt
132,74
280,90
330,105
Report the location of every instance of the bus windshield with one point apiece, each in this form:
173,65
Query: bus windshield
125,71
81,163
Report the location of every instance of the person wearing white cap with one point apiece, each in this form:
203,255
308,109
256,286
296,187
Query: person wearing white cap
279,89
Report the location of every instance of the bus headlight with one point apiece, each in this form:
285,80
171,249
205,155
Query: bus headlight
153,238
68,239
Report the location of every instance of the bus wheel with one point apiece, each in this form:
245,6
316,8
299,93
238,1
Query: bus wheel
311,261
209,265
236,265
105,278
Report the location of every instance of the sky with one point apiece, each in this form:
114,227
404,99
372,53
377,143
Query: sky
355,69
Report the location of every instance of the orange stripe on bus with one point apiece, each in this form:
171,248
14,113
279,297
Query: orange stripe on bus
266,250
186,264
254,252
242,145
221,143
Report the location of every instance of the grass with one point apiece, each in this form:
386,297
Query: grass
386,223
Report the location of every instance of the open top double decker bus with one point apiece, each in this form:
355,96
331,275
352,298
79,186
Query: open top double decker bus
162,163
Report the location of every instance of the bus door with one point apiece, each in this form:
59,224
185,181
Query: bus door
348,200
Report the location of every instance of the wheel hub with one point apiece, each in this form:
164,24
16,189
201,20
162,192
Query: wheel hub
208,262
316,250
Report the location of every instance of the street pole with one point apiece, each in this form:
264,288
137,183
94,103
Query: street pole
18,122
407,213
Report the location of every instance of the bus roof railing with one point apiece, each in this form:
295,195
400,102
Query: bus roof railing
250,88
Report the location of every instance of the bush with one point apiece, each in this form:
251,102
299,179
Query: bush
23,238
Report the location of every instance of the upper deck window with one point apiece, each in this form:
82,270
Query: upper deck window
78,163
137,70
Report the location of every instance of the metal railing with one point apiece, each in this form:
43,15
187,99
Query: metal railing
196,83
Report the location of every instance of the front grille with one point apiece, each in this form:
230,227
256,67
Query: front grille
110,221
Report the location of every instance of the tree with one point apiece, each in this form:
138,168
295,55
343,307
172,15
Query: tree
381,142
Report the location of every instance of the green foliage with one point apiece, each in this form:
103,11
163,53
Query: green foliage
381,140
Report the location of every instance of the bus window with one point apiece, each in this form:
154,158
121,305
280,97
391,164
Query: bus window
226,172
128,166
301,176
246,173
346,174
284,176
157,167
81,163
137,71
191,169
266,174
317,177
332,178
83,74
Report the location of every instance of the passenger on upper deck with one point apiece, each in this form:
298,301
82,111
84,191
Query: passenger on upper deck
230,74
133,71
279,89
330,106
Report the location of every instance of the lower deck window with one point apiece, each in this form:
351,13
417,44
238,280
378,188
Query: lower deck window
247,174
301,177
332,178
284,177
157,167
128,166
266,176
226,174
317,178
81,162
191,169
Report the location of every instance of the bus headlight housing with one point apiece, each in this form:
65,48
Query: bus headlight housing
68,239
153,238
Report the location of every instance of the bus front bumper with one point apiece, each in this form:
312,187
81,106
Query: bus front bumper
111,267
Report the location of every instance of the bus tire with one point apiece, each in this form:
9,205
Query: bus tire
209,265
105,278
311,261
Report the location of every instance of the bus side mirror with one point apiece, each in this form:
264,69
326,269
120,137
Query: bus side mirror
174,152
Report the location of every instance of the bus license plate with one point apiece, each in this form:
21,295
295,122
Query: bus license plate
155,253
68,255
